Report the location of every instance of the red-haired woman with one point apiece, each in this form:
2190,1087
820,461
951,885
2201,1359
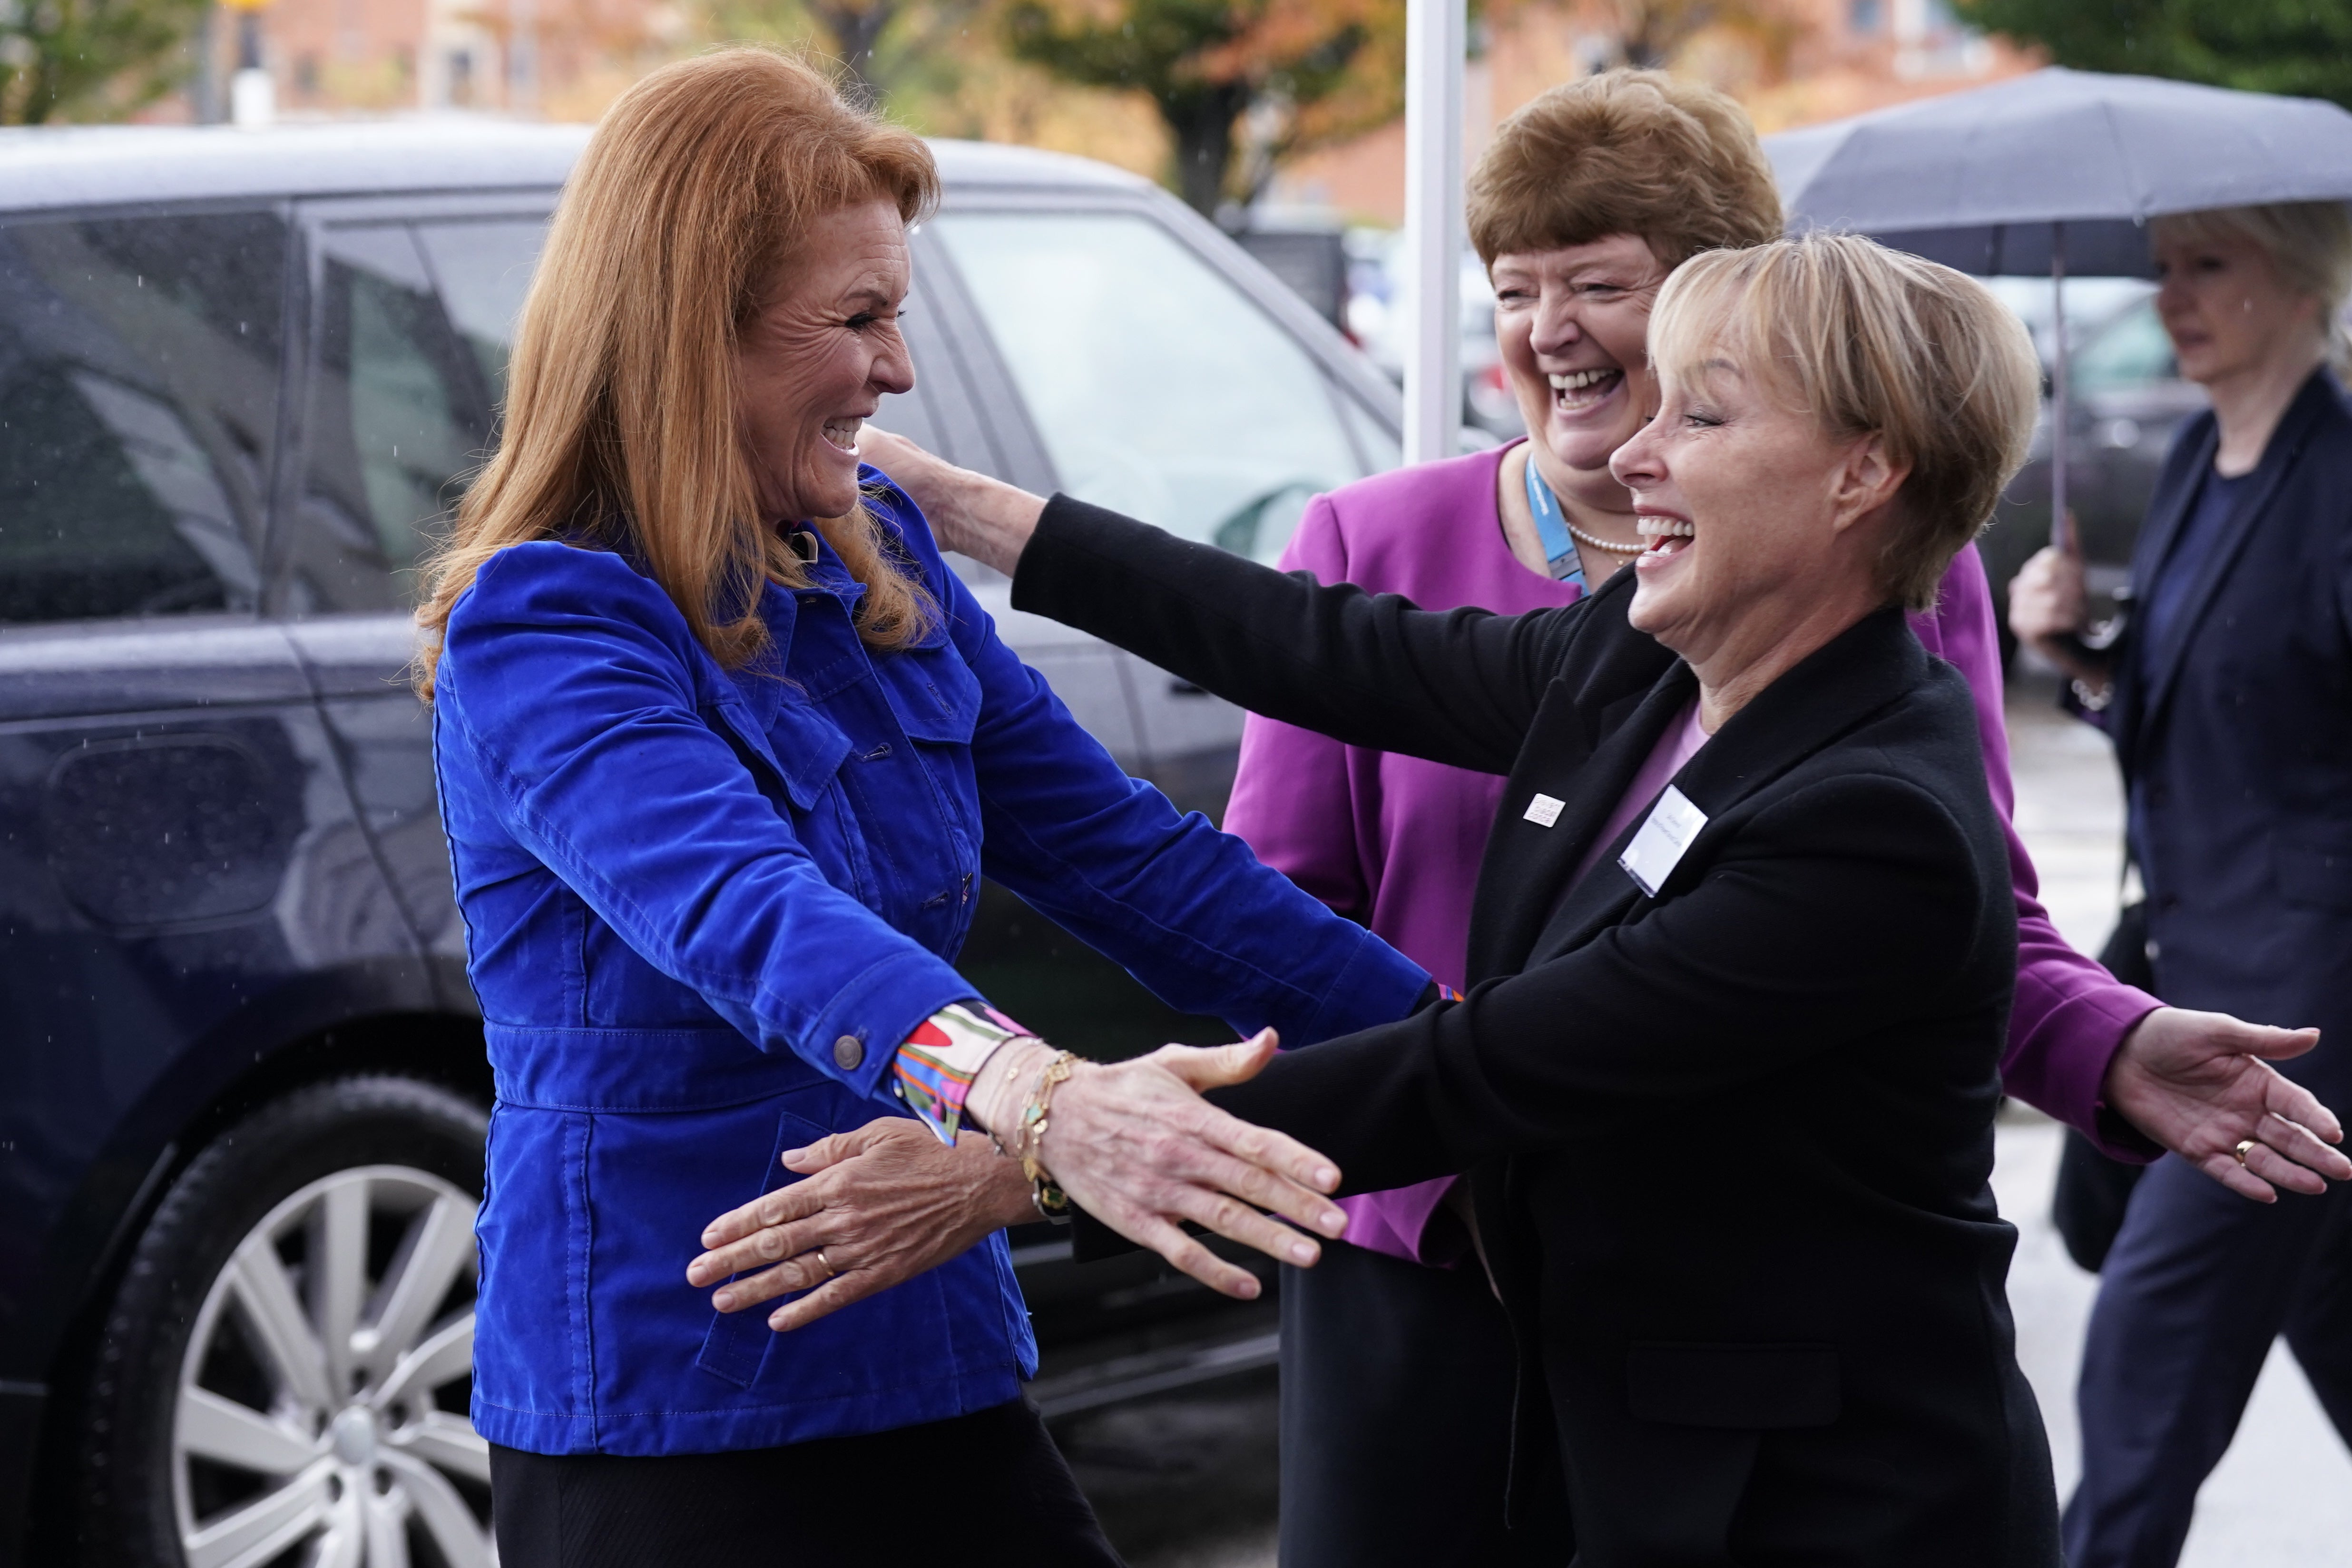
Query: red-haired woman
723,748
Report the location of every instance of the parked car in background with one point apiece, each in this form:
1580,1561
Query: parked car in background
243,378
1378,284
2090,303
2126,402
1307,250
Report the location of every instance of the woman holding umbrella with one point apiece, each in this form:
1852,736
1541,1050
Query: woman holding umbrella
2229,697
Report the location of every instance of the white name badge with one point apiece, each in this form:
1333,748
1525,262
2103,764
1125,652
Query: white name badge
1543,811
1651,859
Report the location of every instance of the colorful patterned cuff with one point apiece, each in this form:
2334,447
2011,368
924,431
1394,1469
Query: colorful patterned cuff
937,1064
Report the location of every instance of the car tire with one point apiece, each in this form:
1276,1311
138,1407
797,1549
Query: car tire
287,1358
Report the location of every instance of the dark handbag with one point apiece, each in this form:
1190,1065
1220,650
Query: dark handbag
2093,1190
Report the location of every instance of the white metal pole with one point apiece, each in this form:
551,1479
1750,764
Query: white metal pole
2060,406
1434,35
522,57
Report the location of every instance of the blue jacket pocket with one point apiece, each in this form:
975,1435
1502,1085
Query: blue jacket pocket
737,1341
807,751
934,693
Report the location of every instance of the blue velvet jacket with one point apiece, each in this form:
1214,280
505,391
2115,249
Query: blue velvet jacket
702,908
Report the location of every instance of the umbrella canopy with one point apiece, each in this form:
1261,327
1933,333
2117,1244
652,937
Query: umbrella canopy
2062,146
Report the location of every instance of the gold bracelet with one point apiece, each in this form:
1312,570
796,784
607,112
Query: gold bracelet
1007,1141
1034,1119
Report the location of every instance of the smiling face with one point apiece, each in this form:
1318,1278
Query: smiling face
1573,327
1760,523
2225,309
819,352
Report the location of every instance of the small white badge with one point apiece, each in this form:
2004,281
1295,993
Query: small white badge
1543,811
1651,859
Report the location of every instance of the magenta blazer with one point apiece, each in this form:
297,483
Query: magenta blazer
1395,841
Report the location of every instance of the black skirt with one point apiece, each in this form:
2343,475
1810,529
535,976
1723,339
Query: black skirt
984,1488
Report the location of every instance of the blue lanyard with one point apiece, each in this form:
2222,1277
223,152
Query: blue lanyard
1551,528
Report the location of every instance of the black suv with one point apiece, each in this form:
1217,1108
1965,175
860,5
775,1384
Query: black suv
242,1089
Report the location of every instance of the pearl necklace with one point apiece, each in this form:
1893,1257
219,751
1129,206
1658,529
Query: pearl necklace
1552,517
1608,546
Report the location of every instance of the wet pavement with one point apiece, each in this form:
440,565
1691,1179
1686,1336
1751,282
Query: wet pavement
1183,1481
1188,1479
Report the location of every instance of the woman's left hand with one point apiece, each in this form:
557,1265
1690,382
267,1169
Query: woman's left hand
878,1206
2198,1084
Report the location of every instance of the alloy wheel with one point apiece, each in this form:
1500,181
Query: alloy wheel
320,1416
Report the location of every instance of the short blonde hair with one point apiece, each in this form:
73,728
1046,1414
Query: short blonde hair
620,421
1625,152
1871,342
2309,245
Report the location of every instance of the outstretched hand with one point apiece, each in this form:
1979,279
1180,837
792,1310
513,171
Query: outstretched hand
1135,1144
877,1205
2199,1083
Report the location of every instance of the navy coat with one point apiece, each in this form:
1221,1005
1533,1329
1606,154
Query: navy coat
703,908
2236,742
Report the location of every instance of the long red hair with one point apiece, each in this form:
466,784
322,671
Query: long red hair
619,420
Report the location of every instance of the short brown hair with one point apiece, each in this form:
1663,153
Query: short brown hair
1625,152
1873,342
619,416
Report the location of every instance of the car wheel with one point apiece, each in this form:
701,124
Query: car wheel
283,1374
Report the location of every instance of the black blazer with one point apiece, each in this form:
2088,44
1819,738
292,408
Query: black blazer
1729,1146
2236,742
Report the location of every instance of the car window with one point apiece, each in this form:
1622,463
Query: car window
1159,388
2130,351
1380,448
484,269
400,415
139,370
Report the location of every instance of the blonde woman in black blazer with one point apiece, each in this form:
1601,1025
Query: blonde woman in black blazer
1726,1076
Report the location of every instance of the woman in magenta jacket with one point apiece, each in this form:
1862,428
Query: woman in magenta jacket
1397,1362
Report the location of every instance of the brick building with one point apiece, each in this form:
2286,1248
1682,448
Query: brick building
561,59
1792,62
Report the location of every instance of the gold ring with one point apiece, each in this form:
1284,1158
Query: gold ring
2245,1145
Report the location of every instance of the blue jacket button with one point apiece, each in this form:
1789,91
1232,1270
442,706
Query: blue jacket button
847,1052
